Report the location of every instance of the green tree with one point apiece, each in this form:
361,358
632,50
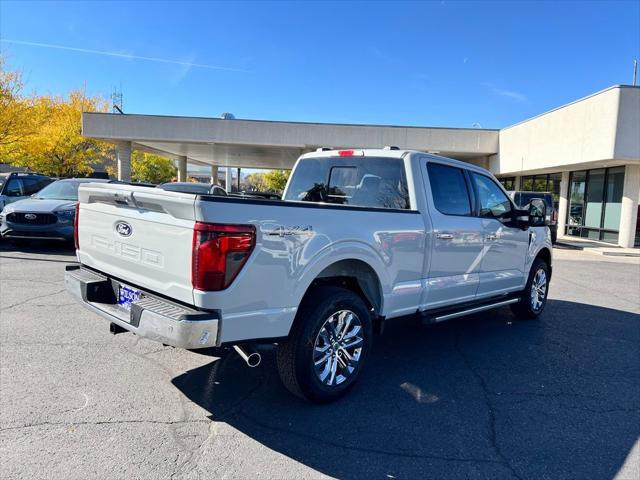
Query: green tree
147,167
256,181
276,180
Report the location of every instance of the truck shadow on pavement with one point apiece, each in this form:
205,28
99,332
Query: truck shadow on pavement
481,397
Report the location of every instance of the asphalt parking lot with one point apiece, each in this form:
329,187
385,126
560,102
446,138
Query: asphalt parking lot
479,397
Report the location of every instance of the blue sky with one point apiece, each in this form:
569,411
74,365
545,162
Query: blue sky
442,63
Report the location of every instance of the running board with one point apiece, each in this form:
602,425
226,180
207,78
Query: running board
468,311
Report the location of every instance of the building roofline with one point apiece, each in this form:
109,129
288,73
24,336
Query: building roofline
612,87
293,122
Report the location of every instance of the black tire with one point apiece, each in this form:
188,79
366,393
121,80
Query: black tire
295,356
525,308
554,237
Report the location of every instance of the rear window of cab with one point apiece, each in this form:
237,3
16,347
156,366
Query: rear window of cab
373,182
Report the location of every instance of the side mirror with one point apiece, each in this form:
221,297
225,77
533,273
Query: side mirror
537,213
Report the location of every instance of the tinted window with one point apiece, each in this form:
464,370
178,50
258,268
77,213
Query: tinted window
15,188
449,189
33,185
493,201
219,191
523,199
360,181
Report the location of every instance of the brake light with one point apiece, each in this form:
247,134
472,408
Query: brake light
219,253
351,153
554,216
76,240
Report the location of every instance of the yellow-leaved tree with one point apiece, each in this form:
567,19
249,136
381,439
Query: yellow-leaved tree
57,147
43,133
16,123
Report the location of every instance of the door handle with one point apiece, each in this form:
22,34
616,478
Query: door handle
492,236
444,236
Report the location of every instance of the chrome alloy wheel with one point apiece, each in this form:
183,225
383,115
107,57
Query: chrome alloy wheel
538,290
338,347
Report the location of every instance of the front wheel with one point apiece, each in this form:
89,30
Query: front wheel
534,297
328,345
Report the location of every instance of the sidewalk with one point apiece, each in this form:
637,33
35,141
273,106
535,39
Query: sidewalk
600,248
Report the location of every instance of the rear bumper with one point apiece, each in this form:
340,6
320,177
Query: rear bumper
150,317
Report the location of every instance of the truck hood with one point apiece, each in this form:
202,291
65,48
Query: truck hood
39,205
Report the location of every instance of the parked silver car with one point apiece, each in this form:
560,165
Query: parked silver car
46,215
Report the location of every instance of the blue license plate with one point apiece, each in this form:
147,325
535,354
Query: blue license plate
127,295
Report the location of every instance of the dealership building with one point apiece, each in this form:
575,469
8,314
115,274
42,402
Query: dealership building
587,153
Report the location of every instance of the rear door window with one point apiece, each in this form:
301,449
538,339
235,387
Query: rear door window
33,185
449,189
373,182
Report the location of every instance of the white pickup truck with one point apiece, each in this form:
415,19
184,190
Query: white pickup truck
360,237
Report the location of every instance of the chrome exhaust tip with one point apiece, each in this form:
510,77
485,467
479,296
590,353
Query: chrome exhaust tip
251,357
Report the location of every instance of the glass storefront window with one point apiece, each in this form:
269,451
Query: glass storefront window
527,184
595,198
540,183
613,205
554,187
509,183
576,199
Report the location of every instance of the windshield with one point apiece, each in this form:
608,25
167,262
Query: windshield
60,190
3,178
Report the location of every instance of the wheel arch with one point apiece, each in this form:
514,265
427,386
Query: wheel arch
355,275
544,254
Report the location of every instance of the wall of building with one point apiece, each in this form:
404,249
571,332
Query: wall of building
627,146
599,130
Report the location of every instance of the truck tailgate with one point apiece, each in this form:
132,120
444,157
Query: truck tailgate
140,235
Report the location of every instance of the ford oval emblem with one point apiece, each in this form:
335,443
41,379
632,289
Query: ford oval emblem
30,216
124,229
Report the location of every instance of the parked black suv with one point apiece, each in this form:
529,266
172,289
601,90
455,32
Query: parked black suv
522,200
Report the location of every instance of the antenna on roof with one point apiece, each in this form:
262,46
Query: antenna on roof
116,100
635,72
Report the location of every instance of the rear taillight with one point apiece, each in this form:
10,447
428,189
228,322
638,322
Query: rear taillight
219,253
76,241
554,216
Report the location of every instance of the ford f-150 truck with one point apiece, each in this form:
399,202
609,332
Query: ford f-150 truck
360,237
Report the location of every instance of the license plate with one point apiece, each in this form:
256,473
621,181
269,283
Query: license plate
126,296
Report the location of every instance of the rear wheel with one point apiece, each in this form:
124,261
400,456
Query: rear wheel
328,345
534,297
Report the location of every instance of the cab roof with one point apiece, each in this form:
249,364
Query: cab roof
389,152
